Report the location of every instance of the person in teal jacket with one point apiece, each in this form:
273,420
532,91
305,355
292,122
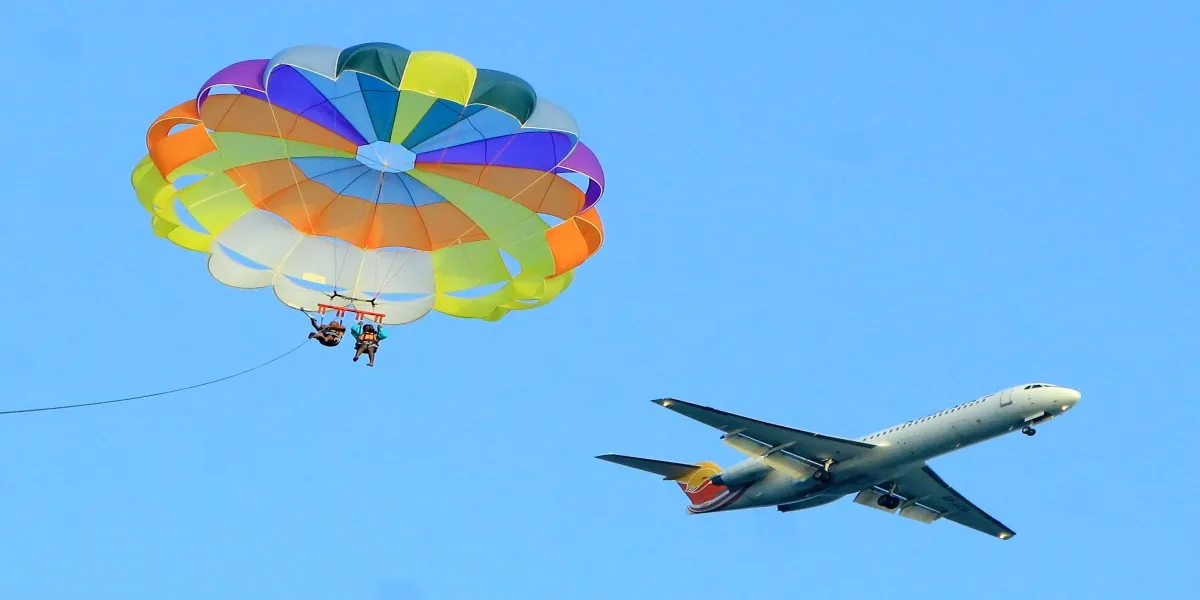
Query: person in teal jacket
366,341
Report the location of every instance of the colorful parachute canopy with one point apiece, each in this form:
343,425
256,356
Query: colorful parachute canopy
409,178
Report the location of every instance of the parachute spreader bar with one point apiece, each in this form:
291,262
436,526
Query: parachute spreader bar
342,310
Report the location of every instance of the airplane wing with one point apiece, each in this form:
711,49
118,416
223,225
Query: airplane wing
924,487
812,446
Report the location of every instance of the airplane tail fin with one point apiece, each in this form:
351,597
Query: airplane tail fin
695,480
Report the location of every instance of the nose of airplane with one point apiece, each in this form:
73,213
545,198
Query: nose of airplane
1069,397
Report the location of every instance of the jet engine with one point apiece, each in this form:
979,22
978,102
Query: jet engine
743,474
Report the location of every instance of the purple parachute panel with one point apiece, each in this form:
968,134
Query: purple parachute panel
289,90
540,150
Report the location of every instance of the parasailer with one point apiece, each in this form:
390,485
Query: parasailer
327,335
367,339
377,181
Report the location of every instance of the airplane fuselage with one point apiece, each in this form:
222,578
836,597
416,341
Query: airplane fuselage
903,448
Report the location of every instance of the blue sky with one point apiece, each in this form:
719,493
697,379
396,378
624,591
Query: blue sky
831,217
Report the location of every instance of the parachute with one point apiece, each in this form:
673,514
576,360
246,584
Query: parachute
389,182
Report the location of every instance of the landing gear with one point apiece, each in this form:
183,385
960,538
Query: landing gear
1028,431
889,502
822,474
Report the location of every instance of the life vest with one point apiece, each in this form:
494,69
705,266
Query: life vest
368,337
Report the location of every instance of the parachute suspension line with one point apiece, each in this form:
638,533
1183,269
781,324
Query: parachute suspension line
288,156
379,183
339,264
383,285
296,179
374,209
320,312
164,393
450,142
390,275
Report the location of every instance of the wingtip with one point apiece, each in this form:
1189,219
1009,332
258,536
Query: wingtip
664,402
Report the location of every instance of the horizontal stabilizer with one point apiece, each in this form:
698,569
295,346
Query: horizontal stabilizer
669,470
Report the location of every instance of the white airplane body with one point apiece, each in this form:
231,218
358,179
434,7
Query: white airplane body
793,469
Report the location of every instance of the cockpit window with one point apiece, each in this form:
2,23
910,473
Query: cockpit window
1036,385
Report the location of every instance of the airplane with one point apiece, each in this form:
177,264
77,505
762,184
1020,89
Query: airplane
793,470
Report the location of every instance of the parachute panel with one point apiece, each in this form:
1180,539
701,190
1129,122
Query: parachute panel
411,109
390,271
403,313
303,298
228,271
488,307
505,92
549,116
262,238
319,59
468,266
440,75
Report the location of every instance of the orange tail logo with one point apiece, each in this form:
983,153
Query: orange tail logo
705,495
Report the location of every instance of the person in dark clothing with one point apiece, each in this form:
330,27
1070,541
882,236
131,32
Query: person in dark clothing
327,335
